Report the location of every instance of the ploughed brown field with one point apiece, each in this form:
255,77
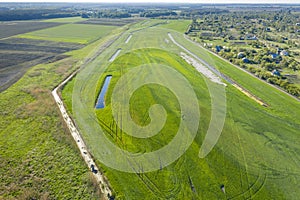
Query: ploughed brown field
19,54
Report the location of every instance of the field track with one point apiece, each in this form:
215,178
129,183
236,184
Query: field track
101,179
103,184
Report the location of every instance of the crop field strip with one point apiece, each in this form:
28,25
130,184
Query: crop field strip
19,54
66,20
255,175
47,44
20,27
74,33
109,22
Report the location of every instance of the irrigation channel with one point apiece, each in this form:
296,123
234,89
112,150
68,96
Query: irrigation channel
100,102
115,55
128,39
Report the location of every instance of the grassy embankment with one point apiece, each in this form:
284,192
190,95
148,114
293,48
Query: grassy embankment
256,156
38,157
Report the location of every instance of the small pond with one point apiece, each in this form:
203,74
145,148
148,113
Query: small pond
100,102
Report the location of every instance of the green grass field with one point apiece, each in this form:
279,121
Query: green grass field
256,157
38,157
76,33
177,25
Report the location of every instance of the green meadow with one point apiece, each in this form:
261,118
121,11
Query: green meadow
177,25
256,157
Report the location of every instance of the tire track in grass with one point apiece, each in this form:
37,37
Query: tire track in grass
244,162
257,185
153,188
241,171
254,188
141,175
262,176
177,182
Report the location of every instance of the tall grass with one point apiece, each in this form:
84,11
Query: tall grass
38,157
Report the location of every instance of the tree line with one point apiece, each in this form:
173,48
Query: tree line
30,14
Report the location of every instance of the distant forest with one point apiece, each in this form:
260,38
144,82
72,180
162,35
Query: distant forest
30,14
31,11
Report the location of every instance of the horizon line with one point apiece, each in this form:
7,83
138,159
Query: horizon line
132,2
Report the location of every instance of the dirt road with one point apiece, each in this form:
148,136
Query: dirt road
101,179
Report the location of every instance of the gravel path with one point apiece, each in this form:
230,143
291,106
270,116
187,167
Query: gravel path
202,69
211,68
101,179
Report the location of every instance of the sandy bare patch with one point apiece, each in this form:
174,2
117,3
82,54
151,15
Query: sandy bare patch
202,69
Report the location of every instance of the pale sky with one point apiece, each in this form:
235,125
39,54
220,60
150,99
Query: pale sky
164,1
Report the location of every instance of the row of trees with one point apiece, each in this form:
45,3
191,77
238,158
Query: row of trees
276,80
152,12
263,70
30,14
109,14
